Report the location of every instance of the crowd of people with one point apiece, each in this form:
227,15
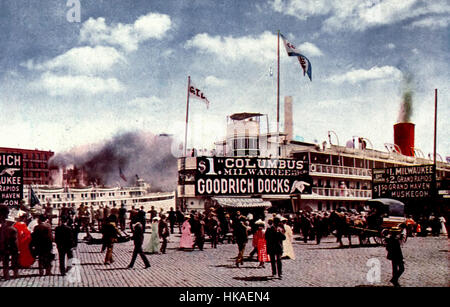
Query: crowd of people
29,237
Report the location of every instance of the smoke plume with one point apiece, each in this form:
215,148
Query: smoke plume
137,154
406,106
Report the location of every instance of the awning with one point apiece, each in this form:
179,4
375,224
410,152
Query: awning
236,202
242,116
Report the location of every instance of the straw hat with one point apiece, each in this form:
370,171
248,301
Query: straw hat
260,222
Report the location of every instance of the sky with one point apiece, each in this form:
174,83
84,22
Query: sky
74,73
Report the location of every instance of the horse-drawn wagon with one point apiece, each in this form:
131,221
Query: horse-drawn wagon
385,215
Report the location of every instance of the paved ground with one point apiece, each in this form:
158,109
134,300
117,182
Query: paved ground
426,264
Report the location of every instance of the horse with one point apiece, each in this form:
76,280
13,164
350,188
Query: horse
338,222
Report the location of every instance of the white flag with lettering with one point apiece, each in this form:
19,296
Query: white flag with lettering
195,92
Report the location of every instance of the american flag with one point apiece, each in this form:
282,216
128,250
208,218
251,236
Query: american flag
122,175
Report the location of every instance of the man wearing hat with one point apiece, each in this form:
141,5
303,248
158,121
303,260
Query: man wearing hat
241,237
9,250
42,245
274,238
64,243
138,239
395,255
163,231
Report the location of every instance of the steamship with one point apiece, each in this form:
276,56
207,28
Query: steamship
341,175
92,196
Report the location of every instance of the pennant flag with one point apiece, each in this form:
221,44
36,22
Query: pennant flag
198,94
304,62
34,200
122,175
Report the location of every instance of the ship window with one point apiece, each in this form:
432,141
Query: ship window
348,161
379,164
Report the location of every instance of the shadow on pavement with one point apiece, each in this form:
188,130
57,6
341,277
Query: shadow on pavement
114,269
228,266
255,278
345,247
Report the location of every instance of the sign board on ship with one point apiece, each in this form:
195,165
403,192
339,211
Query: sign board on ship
409,182
11,179
217,176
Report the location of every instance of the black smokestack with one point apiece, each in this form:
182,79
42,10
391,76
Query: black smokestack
406,105
143,154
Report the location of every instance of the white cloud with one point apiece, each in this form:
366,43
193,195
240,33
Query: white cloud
358,15
362,75
302,9
127,36
68,85
257,49
152,25
310,49
431,22
391,46
214,81
82,60
145,101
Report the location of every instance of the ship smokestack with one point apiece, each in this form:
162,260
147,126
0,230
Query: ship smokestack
288,124
404,138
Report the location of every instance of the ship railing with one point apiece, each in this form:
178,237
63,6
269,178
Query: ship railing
340,192
340,170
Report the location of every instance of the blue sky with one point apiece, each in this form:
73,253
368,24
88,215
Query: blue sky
124,67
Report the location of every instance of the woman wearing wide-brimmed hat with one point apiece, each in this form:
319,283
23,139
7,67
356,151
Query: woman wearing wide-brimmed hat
186,237
259,243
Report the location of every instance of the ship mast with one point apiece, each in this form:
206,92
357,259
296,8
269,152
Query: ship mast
278,93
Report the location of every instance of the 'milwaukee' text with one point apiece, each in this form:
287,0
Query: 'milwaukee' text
237,176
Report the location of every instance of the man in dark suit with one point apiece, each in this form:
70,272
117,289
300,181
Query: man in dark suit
42,245
141,217
163,232
9,250
172,219
64,243
122,217
138,238
395,255
274,238
241,237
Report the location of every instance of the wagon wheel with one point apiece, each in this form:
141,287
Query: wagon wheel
378,240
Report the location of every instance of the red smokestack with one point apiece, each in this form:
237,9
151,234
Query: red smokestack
404,138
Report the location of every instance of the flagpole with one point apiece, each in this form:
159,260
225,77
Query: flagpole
278,92
278,82
187,117
435,126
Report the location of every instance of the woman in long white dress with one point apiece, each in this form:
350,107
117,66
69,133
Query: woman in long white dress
288,250
443,227
153,245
